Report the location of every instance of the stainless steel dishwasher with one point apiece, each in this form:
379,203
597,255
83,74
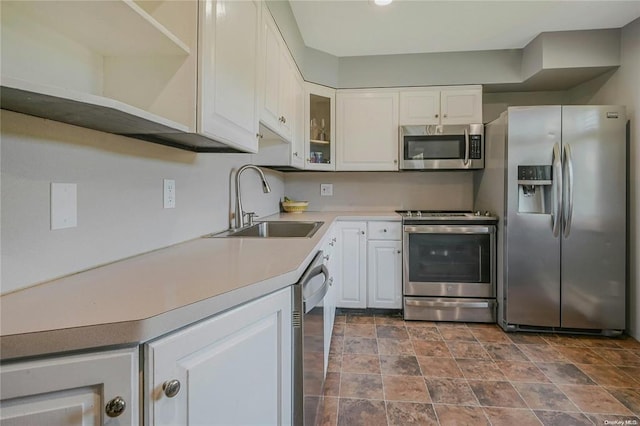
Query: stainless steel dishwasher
308,343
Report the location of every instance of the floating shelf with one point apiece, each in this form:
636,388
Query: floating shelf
104,114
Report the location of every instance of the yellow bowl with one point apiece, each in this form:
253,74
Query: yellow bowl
295,206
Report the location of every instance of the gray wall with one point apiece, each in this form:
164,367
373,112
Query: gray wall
552,61
383,191
119,182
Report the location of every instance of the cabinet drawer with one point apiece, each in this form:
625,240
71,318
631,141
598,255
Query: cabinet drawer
385,230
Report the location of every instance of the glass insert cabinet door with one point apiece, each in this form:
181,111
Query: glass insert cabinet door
320,132
450,258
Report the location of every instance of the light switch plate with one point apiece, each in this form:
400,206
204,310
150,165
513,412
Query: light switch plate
326,189
64,205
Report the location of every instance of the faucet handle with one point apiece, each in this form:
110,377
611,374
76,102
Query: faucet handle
250,216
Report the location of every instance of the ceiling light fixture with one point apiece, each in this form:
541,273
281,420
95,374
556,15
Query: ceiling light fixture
382,2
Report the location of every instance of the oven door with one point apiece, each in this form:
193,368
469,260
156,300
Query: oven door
449,260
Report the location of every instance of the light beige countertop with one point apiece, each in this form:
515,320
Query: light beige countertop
143,297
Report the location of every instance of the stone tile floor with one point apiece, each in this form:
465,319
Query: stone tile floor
385,371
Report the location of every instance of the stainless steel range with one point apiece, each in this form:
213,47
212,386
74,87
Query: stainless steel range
449,270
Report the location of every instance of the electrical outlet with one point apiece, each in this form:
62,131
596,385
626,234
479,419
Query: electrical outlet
169,198
326,189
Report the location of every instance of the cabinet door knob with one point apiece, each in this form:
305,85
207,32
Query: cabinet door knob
445,116
362,232
384,230
171,388
399,251
284,119
395,161
436,115
115,407
295,154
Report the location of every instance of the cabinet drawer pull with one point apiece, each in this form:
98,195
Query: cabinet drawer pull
115,407
171,388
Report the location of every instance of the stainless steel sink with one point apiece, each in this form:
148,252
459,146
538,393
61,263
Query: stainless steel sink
275,229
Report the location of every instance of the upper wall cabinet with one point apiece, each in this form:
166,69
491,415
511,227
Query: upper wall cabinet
277,153
228,77
118,66
441,105
320,133
135,68
278,72
367,129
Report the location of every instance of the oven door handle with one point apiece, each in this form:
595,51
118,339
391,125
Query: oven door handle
434,304
443,229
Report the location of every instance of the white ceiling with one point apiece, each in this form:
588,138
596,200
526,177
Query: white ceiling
357,27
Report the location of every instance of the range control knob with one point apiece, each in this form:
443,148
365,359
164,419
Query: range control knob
477,213
487,213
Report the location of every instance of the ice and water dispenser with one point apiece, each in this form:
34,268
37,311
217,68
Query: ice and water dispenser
534,189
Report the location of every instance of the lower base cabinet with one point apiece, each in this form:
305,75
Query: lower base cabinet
234,368
384,274
86,389
368,264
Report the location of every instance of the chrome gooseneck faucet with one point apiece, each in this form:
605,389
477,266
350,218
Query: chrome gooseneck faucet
239,215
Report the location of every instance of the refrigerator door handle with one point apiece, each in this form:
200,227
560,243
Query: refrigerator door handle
556,213
568,187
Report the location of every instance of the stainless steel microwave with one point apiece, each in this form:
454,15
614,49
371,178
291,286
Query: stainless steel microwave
445,147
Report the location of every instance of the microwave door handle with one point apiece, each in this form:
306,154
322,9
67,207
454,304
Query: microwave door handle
466,147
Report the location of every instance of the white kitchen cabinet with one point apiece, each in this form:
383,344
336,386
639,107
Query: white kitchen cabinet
276,100
83,389
118,66
351,265
228,72
276,153
320,129
234,368
367,129
368,266
384,274
329,303
384,264
441,105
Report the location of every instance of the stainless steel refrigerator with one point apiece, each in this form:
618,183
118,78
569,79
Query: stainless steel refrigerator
556,177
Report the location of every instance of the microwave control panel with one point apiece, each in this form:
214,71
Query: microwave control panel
475,147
